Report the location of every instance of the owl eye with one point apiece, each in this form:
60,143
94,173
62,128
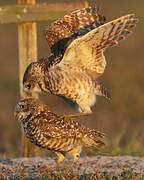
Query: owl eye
22,106
28,86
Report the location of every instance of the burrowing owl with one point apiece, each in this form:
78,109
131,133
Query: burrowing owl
77,43
57,133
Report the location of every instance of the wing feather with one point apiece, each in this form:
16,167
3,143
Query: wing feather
61,126
63,31
86,52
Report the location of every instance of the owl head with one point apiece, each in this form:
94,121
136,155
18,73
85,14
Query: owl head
27,108
32,79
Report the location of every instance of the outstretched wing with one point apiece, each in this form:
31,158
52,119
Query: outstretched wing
100,89
60,33
86,53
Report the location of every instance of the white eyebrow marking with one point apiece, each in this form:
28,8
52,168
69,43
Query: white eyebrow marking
21,103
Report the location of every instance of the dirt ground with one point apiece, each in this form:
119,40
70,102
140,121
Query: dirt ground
34,167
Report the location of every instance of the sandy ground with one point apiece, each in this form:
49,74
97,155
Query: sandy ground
33,167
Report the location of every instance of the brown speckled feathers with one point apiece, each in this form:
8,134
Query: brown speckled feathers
77,42
86,53
63,31
61,134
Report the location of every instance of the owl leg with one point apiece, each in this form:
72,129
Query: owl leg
75,153
83,109
78,115
76,157
59,160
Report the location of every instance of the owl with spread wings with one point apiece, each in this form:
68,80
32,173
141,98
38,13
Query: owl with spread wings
77,42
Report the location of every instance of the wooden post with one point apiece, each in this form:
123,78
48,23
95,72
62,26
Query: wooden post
86,4
27,43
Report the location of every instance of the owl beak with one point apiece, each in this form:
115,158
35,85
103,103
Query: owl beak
28,93
25,89
16,110
15,113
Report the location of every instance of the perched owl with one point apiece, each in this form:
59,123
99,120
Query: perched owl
77,43
57,133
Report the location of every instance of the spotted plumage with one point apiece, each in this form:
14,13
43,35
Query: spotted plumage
61,134
63,31
77,43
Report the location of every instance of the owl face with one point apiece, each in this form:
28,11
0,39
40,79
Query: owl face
31,87
32,79
27,107
22,110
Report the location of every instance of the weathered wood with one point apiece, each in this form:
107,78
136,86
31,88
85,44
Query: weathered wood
37,12
27,43
86,4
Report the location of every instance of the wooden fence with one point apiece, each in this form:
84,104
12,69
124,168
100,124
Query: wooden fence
26,13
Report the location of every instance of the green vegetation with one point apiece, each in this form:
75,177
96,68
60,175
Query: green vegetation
124,143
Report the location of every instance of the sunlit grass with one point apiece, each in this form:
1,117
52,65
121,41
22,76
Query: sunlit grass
124,143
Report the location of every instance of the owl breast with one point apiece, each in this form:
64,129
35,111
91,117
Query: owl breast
74,85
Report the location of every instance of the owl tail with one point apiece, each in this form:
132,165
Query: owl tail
93,138
100,89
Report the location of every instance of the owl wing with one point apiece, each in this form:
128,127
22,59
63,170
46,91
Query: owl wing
60,127
86,52
63,31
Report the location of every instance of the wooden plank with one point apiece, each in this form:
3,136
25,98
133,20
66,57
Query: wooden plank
37,12
27,43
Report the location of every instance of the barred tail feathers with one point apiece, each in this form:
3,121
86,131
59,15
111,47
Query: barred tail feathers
100,89
93,138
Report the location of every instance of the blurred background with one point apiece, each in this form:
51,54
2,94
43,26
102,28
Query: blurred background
122,118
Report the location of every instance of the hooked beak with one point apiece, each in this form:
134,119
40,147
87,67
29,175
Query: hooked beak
16,111
25,89
28,93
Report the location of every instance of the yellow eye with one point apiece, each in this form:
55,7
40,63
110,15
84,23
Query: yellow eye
28,86
21,106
